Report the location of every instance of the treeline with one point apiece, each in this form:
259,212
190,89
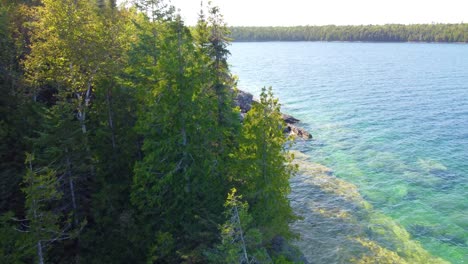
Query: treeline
121,142
371,33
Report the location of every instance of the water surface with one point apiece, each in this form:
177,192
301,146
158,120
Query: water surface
391,118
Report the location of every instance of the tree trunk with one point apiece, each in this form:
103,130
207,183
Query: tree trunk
71,185
110,114
84,107
244,247
40,256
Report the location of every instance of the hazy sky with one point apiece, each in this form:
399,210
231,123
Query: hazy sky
323,12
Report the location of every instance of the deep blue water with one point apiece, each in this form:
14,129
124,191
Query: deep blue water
391,118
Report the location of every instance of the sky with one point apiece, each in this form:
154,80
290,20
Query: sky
325,12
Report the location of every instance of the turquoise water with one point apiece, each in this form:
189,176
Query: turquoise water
391,118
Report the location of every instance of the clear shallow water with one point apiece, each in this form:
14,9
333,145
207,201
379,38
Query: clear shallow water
391,118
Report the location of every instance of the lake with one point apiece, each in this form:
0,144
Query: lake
390,118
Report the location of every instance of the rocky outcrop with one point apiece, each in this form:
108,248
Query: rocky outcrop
289,119
297,131
245,100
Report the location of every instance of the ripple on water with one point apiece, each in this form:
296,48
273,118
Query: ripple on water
390,118
341,226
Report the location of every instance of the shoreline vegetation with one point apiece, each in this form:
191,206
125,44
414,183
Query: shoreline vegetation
437,33
122,142
245,100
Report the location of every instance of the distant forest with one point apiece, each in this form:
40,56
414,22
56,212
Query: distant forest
372,33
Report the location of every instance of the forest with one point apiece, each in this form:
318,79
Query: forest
370,33
122,143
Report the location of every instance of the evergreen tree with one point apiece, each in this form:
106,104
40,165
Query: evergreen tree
240,242
43,224
10,165
17,114
156,10
173,184
223,82
373,33
131,119
219,85
265,167
113,236
60,147
201,32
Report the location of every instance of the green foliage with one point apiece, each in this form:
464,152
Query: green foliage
222,80
10,167
163,247
135,136
44,224
282,260
136,139
374,33
40,188
17,115
240,241
174,182
15,247
113,236
155,10
61,146
265,167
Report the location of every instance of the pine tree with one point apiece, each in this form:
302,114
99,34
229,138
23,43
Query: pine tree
211,43
43,223
59,147
223,83
156,10
265,167
240,242
103,88
17,113
113,235
174,184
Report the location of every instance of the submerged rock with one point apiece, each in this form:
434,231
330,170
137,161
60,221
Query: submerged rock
338,225
297,131
245,100
280,246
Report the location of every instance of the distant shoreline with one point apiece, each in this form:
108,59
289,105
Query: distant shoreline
393,33
348,41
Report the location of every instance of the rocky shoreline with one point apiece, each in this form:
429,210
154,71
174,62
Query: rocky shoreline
245,100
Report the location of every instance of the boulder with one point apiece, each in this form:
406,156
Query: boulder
289,119
244,101
297,131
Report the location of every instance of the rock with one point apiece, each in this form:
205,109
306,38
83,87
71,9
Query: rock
245,100
297,131
289,119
